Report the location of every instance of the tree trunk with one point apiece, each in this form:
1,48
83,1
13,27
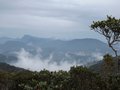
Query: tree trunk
116,54
115,51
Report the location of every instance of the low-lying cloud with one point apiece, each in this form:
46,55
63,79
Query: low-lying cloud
35,63
32,62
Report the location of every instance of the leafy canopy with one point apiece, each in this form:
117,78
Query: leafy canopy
110,28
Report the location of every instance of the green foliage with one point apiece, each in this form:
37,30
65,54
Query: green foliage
110,28
108,59
108,67
77,78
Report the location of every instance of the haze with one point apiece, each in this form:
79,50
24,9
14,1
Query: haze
63,19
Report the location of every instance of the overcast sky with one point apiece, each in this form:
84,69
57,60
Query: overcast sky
64,19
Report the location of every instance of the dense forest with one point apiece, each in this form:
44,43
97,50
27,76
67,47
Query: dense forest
77,78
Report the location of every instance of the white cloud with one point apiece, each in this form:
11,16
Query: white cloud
35,63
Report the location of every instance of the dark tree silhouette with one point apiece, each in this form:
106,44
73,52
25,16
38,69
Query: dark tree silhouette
110,28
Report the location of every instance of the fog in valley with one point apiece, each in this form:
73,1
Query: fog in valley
35,63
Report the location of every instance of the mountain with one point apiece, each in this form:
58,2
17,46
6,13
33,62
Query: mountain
5,39
9,68
76,50
7,59
99,66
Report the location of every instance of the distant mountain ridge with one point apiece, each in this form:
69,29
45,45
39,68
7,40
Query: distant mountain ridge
4,39
78,50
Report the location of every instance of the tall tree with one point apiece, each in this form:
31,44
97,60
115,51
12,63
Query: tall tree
110,28
108,66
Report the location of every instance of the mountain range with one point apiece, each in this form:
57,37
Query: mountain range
76,50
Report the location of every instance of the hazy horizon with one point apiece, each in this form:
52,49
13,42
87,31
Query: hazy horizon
59,19
52,38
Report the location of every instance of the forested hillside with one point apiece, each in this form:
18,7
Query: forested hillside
77,78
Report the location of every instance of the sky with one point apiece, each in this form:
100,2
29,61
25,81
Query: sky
60,19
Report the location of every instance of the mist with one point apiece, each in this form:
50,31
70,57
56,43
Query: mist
32,62
27,61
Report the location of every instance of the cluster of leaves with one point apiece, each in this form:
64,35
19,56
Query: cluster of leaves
110,29
77,78
108,65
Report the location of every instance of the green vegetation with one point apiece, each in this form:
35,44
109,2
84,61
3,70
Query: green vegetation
110,29
77,78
